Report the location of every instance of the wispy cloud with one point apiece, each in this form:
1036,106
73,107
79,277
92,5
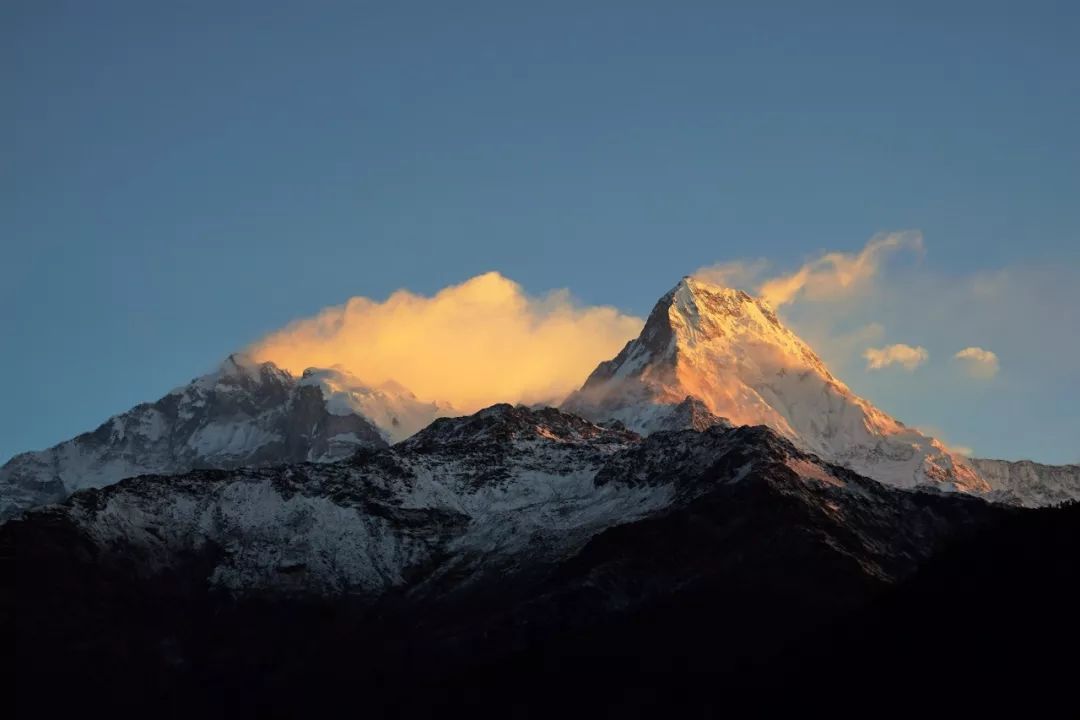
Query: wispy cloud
829,276
979,362
906,356
838,274
1024,312
740,274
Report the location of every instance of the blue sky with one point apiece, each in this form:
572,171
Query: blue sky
179,181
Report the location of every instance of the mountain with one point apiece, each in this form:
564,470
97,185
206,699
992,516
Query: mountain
512,538
707,357
393,409
1030,484
243,414
719,524
730,352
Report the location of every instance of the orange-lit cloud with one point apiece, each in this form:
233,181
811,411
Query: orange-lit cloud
978,362
739,274
472,345
950,302
831,276
837,274
906,356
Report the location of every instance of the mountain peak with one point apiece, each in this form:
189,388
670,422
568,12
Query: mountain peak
695,314
393,408
504,424
731,352
692,284
241,368
241,364
696,310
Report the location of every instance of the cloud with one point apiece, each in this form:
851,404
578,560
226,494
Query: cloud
474,344
740,274
1024,310
838,274
905,356
979,363
830,276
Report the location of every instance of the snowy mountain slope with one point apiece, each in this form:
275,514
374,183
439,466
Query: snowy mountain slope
1029,483
390,407
730,352
466,499
241,414
502,482
474,540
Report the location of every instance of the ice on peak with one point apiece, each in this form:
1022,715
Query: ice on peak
241,367
690,287
238,362
395,410
729,350
237,368
696,284
696,308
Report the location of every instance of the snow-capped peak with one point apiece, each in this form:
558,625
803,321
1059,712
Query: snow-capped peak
730,351
391,407
242,413
237,370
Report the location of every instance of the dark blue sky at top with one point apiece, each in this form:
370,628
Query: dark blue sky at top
180,178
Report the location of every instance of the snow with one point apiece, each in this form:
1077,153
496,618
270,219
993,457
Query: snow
464,501
262,535
393,409
230,439
718,345
238,414
1028,483
730,350
812,471
312,527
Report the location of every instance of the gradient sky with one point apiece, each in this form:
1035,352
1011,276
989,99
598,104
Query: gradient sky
180,179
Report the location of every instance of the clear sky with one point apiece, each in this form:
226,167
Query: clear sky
179,179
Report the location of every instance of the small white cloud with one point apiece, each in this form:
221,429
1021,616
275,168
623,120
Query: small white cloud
979,362
905,356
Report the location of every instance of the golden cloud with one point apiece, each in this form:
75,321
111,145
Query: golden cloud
978,362
739,274
906,356
831,276
837,274
472,345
